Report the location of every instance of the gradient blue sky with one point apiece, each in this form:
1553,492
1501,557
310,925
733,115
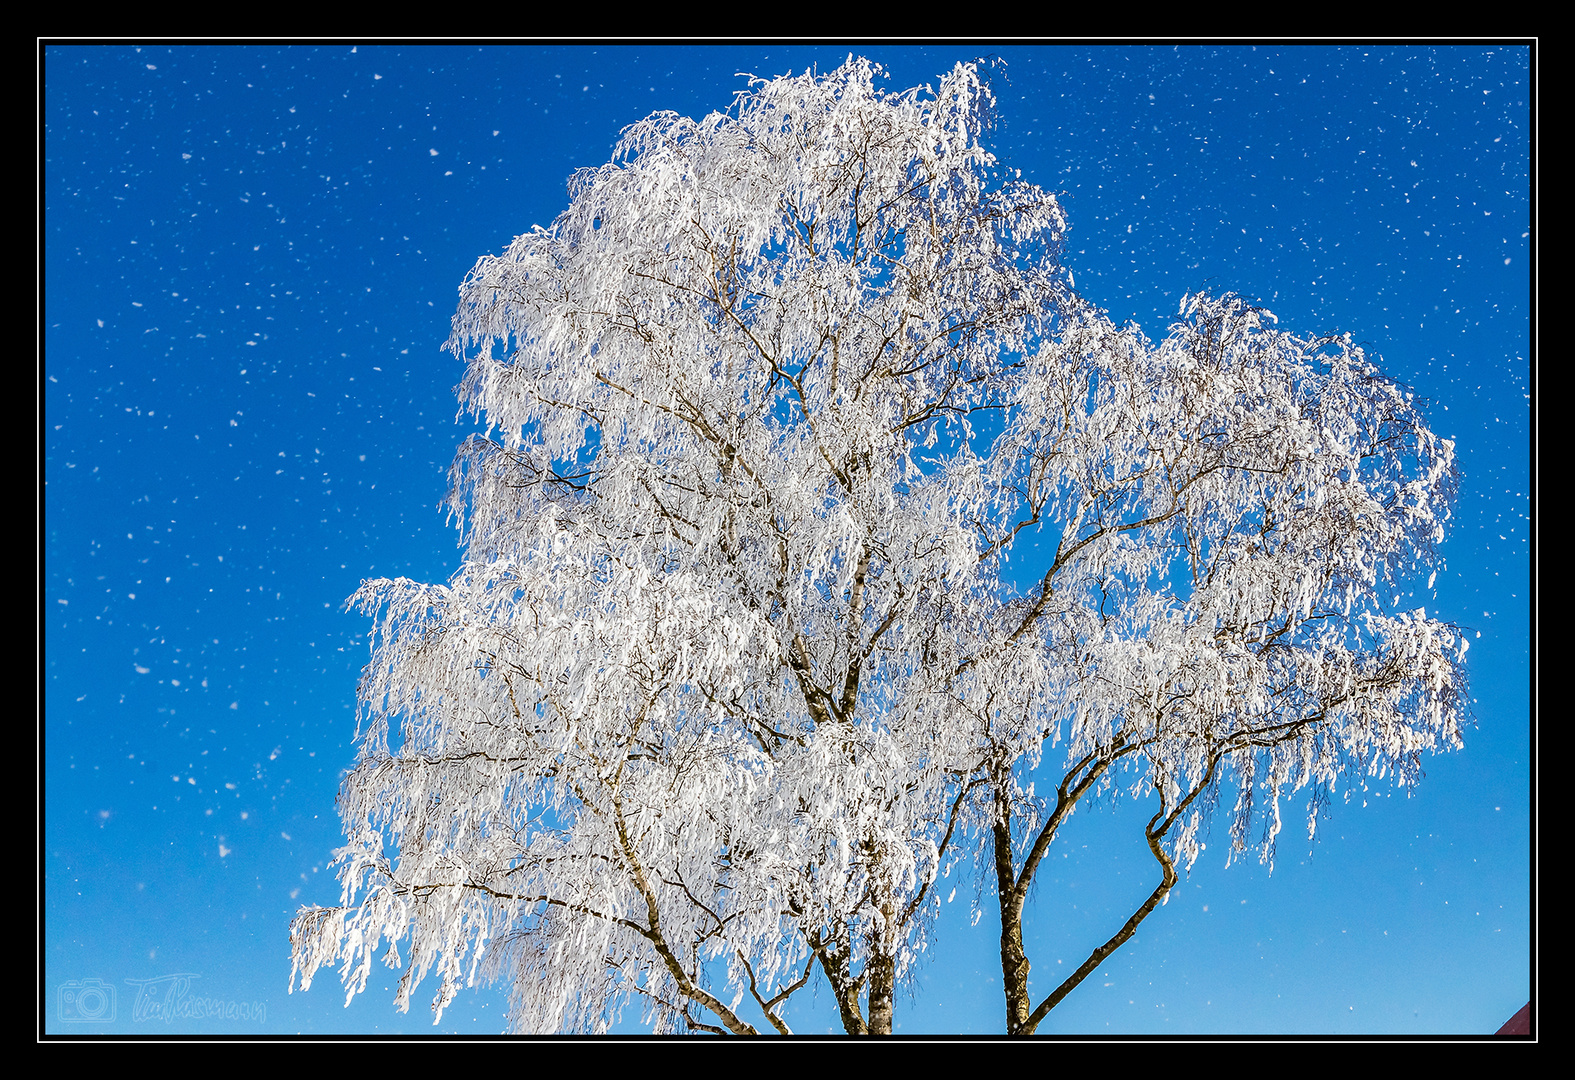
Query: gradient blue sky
251,258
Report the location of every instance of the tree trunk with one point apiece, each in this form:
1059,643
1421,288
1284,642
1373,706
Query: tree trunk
882,972
882,969
1014,972
1014,961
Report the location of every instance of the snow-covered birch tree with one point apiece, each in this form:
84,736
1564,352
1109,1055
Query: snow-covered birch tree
733,671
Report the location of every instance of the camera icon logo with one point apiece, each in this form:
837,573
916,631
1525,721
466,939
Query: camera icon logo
86,1001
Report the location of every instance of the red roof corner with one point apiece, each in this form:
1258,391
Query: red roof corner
1519,1024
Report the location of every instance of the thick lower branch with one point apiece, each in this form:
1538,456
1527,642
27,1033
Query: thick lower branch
653,934
769,1007
1097,957
844,987
1154,835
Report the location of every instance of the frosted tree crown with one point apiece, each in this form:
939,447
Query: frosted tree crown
735,668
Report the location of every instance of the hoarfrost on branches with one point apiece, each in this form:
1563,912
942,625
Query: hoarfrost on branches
734,670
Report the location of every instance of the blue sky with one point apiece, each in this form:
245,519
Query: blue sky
251,258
